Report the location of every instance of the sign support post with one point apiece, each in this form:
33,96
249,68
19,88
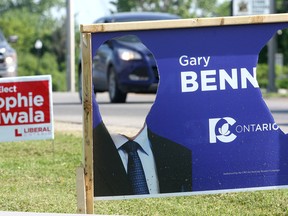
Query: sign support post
87,121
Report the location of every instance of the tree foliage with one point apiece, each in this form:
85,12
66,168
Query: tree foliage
31,20
183,8
37,7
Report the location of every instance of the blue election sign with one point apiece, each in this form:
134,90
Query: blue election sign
209,102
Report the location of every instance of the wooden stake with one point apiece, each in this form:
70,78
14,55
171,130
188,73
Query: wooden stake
80,189
87,120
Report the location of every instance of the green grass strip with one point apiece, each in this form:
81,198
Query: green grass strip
40,176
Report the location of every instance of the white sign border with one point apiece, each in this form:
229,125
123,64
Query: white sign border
40,135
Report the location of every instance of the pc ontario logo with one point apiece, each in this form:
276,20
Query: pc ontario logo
226,130
219,128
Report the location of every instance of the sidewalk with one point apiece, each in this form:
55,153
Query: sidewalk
77,129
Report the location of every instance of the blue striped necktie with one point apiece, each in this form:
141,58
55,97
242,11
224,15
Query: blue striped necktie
135,170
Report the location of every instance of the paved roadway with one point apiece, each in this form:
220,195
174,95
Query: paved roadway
67,108
279,109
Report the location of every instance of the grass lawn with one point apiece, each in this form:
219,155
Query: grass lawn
39,176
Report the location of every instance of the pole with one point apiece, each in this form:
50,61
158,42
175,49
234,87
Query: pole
70,65
271,56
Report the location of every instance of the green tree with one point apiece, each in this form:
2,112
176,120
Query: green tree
282,7
183,8
38,7
223,9
31,20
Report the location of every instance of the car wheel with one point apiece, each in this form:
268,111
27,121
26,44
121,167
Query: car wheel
115,94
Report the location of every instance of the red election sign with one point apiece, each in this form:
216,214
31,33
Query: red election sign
26,108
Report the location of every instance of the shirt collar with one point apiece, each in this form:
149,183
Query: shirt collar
119,140
141,138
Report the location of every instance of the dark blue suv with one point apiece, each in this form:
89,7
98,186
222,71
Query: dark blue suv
122,65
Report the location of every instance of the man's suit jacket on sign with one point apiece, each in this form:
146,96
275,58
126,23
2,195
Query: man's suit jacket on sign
173,165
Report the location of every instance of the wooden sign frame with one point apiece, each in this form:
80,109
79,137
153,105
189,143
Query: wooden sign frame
86,44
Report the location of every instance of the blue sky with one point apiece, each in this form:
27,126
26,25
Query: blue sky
87,11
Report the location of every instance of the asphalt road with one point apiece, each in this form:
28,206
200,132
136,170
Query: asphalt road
67,108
